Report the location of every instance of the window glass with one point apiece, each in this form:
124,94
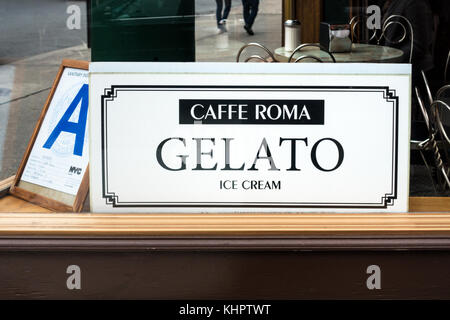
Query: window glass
37,34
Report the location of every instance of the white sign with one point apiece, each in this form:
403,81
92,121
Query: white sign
60,154
225,137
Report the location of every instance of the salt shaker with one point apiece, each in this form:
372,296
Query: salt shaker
292,34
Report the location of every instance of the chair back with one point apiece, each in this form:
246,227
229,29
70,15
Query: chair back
359,23
447,64
441,93
427,88
434,125
310,56
440,110
405,24
256,57
425,114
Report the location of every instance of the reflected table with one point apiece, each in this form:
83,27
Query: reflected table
359,53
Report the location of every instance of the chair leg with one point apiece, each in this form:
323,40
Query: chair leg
441,167
430,171
446,177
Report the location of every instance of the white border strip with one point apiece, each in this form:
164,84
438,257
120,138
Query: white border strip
237,68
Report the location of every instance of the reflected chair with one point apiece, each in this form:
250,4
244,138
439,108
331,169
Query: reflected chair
440,109
256,57
437,143
310,56
428,145
391,21
427,88
447,65
440,122
443,92
359,23
405,24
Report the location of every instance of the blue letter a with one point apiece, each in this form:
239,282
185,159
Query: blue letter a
79,129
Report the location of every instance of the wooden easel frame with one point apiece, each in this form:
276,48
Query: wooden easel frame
35,197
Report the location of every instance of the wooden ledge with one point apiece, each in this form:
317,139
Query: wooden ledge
221,224
426,221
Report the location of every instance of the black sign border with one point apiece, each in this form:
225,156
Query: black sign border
113,199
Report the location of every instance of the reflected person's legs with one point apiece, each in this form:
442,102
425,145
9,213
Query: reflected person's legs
254,5
250,12
227,9
219,4
246,10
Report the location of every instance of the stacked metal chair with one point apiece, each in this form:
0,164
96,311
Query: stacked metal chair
435,112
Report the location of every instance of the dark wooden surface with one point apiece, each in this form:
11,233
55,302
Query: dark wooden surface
225,256
327,266
225,275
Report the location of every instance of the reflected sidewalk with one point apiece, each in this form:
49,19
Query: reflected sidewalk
214,46
27,82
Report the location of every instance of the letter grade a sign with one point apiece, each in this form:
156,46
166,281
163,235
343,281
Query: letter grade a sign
223,137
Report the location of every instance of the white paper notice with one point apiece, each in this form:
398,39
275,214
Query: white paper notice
60,154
